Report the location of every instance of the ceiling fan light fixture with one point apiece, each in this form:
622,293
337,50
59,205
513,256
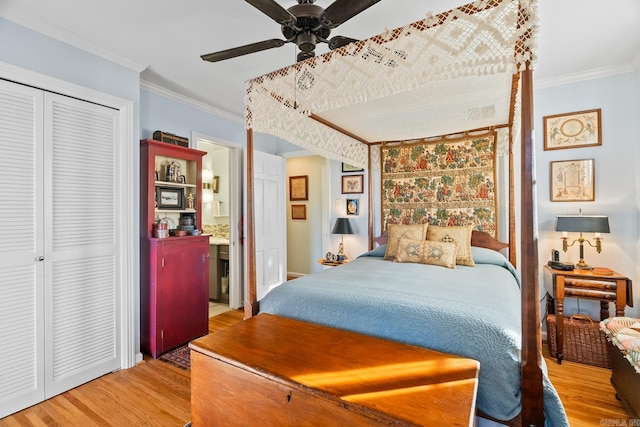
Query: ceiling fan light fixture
305,24
306,42
302,55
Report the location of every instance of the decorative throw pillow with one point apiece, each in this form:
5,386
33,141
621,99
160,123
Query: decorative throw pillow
427,252
409,250
396,231
460,235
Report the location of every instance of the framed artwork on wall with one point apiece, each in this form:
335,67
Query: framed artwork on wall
298,211
352,184
352,207
463,191
346,167
572,130
572,181
299,187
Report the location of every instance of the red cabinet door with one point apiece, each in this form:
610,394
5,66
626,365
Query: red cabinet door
183,298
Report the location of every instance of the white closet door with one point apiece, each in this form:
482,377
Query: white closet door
82,323
21,297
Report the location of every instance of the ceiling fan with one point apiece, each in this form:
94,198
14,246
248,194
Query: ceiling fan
304,24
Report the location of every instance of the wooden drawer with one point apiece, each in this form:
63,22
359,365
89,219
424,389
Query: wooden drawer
284,372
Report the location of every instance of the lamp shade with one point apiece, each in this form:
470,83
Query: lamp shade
342,226
583,223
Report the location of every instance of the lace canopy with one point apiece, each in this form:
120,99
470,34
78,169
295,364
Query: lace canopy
444,74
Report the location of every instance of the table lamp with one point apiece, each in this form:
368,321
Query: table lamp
582,224
342,226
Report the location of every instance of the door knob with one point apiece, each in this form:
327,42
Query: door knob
40,258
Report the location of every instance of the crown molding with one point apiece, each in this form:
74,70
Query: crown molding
596,73
183,99
43,27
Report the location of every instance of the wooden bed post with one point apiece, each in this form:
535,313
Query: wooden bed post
370,189
532,390
251,298
513,254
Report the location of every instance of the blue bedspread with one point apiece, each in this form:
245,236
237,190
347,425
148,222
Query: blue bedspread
469,311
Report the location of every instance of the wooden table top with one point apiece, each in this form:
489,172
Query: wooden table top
593,274
408,382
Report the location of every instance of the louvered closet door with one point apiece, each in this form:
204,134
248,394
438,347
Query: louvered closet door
81,323
21,243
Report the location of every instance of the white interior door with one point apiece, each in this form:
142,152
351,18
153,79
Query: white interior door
270,222
236,294
21,246
82,330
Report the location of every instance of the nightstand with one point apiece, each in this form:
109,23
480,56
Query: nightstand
587,284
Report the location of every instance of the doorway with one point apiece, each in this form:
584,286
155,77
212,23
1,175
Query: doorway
221,219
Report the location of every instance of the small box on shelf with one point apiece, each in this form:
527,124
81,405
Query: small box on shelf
170,138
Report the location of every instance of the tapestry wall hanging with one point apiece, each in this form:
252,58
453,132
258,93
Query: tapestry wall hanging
445,182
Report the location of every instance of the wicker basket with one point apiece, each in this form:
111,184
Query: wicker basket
584,342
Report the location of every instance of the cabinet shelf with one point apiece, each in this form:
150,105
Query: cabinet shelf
174,184
167,211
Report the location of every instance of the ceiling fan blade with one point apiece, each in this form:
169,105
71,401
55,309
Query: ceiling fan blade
242,50
339,41
274,11
342,10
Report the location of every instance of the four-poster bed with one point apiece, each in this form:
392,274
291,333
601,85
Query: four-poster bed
465,70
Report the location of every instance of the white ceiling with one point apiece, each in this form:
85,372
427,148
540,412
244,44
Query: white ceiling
165,38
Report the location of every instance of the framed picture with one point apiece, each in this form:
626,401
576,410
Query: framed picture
352,184
170,198
216,184
346,167
572,130
298,211
352,207
299,187
572,181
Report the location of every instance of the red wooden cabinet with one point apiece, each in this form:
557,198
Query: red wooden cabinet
174,271
176,295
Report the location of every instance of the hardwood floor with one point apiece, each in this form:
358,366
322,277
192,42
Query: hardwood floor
586,392
156,393
153,393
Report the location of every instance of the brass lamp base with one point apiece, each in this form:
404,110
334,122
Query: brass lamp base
581,265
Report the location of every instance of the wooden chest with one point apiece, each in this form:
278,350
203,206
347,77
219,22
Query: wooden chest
275,371
626,382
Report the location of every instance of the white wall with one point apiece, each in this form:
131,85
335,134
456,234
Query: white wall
304,236
34,51
617,179
357,243
309,240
